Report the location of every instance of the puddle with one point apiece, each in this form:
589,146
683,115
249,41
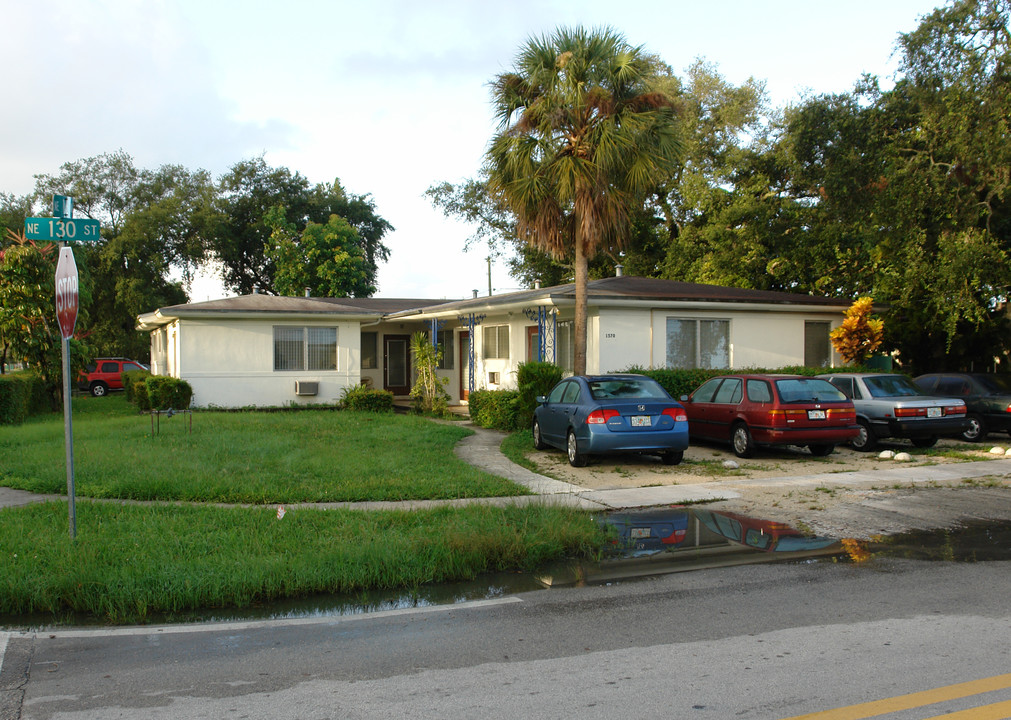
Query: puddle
644,544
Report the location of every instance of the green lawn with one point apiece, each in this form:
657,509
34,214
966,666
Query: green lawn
134,562
246,457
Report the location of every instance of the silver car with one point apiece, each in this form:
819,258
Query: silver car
890,405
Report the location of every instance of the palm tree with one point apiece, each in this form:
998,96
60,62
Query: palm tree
584,134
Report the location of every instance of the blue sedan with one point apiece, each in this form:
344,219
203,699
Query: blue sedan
599,414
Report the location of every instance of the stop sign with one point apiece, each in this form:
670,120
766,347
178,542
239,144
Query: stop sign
66,292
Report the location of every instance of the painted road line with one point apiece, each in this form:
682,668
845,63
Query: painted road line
3,649
913,700
238,626
997,711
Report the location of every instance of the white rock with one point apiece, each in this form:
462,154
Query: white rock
903,457
886,455
731,464
1008,453
997,450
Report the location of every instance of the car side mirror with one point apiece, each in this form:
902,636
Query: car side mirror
684,398
541,399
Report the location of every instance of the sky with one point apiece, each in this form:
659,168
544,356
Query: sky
389,96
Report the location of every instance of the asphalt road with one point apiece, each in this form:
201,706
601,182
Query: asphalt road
766,641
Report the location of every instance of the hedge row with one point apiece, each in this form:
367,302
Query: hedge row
513,409
22,394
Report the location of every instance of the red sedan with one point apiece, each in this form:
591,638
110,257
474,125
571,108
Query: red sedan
752,410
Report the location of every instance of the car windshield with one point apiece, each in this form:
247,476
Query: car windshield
617,388
995,383
891,386
799,390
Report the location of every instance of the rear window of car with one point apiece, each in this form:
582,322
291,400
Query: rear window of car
644,388
995,383
891,386
799,390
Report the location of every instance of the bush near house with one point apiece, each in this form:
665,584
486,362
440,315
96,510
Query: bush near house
160,392
496,409
130,377
22,394
367,399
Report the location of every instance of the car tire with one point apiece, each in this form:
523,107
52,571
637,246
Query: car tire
821,450
673,457
866,440
99,389
576,457
976,431
538,440
924,442
744,445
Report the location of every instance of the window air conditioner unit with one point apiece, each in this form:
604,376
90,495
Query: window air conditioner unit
306,387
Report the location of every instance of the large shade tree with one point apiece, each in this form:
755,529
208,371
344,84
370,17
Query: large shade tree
586,131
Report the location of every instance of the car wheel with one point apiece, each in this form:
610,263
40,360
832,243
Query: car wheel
866,440
821,450
976,430
576,458
744,446
924,442
673,457
99,389
538,440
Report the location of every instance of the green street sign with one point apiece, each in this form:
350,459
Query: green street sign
62,229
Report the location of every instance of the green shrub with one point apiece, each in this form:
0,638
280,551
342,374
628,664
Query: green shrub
366,399
160,392
22,394
683,381
130,377
496,409
533,379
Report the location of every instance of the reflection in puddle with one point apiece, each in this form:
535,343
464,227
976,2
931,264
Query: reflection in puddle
645,543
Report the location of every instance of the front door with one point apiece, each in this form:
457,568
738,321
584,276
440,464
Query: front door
397,364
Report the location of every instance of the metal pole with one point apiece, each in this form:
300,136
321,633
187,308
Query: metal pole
69,433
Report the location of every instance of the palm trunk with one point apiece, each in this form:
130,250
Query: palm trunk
581,268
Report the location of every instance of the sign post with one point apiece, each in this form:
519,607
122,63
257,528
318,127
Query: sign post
66,316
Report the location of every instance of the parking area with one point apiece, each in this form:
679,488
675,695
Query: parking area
708,462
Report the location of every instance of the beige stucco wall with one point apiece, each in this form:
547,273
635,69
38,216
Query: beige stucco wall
231,364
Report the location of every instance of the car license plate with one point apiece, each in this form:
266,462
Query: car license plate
640,421
815,414
934,412
639,533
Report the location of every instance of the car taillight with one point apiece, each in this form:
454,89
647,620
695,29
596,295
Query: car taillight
959,409
677,413
675,537
601,416
844,414
779,418
910,412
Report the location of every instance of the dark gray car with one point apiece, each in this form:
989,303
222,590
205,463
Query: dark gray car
987,397
890,405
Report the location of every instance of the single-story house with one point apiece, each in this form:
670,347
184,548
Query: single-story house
262,350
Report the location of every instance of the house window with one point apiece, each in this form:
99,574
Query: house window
369,340
565,350
445,340
817,348
305,348
698,343
496,341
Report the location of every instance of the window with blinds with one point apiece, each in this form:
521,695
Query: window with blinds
496,341
305,348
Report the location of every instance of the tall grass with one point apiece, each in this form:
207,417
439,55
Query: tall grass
131,562
249,457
